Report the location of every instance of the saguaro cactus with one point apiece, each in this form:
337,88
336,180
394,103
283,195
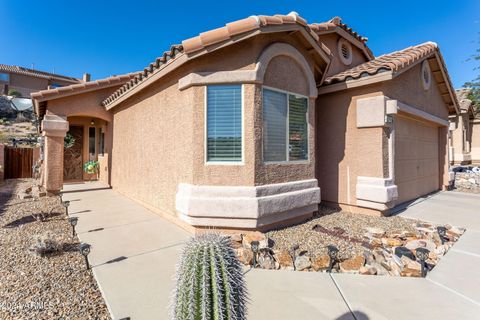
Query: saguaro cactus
210,282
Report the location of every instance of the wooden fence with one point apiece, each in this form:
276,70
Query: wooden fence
18,163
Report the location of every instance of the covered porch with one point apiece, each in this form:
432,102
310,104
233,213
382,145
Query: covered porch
76,129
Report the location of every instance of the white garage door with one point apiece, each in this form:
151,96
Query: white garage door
416,158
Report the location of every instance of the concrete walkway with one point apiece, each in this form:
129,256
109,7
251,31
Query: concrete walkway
135,251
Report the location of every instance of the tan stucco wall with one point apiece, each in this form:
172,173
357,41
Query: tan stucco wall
153,144
86,104
26,84
345,151
407,88
159,134
336,65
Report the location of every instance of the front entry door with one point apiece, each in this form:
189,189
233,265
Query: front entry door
72,159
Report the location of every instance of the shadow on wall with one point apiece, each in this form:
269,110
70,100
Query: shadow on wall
354,315
331,127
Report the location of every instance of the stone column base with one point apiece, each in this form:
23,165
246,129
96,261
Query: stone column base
376,193
244,207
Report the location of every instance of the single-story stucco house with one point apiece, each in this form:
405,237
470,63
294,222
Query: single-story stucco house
252,125
464,142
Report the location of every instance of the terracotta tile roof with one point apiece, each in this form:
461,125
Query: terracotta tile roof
333,24
174,51
210,38
37,73
241,26
82,87
394,61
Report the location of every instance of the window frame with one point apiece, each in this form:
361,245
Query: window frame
205,126
287,133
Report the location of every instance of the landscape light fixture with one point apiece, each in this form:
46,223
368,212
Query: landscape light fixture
85,250
293,254
333,254
422,255
255,246
442,232
73,222
66,204
61,196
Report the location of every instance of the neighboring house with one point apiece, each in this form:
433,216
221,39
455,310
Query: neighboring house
25,81
251,125
461,126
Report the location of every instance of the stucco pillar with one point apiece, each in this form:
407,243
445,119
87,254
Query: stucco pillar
54,129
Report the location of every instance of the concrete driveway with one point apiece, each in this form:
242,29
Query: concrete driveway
135,251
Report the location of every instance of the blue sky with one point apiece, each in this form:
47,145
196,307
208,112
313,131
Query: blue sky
114,37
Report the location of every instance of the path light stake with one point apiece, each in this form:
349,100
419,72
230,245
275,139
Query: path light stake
422,255
66,204
85,250
254,245
73,222
333,254
61,196
294,253
442,232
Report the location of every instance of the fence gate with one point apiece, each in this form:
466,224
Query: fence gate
18,162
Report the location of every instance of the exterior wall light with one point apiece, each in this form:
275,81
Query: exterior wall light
92,122
333,254
442,232
422,255
66,204
388,119
73,222
255,246
84,249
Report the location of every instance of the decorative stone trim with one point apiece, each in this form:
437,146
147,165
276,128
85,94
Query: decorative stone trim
54,126
220,77
246,207
376,193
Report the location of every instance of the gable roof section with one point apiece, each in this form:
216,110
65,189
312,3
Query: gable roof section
336,25
208,41
40,97
37,73
390,65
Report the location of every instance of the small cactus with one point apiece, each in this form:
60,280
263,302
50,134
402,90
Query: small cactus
209,282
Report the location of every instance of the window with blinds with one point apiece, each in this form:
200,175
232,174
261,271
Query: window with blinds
285,130
224,123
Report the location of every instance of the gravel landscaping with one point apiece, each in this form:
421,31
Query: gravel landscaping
467,181
369,245
55,285
352,224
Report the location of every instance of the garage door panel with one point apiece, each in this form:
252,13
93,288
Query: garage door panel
416,158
